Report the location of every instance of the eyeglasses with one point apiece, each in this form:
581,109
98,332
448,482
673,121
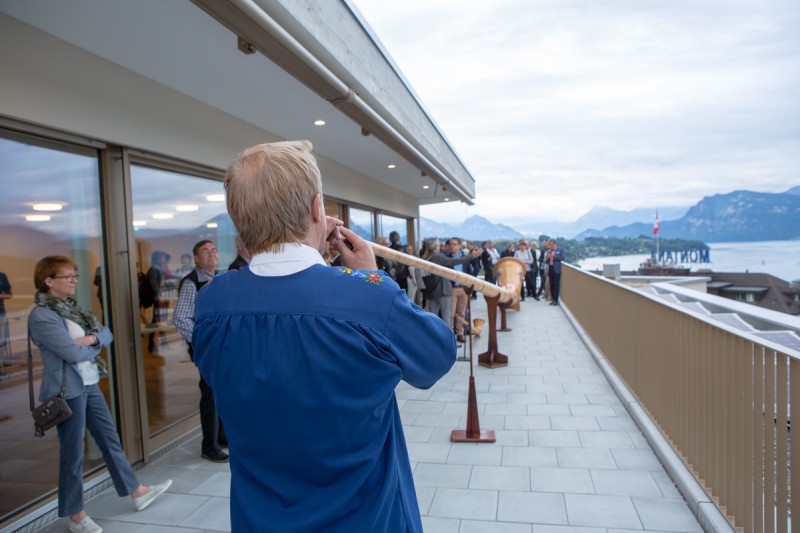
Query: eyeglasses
213,251
71,277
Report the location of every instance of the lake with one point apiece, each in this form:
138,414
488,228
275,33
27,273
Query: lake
779,258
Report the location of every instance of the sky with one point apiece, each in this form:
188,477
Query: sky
556,106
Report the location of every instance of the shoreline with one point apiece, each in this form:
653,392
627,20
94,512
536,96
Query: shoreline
777,258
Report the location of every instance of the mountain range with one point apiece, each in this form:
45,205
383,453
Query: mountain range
739,216
475,228
604,217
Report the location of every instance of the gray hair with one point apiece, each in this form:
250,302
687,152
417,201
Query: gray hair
430,243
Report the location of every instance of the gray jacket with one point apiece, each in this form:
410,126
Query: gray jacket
49,333
445,288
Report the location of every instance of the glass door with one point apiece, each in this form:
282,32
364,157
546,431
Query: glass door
172,211
51,205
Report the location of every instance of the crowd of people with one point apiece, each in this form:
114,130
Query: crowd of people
287,346
446,298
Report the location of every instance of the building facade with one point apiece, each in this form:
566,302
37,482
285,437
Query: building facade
117,120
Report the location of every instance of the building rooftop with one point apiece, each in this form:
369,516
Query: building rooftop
778,327
568,456
768,291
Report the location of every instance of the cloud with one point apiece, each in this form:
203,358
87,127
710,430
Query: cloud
556,106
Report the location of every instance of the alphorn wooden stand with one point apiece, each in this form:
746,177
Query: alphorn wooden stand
473,431
492,358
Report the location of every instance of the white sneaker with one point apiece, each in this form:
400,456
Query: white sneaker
87,525
141,503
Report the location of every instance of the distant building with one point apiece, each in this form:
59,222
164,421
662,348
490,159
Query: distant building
763,290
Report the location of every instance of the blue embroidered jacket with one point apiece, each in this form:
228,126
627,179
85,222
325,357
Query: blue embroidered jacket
304,369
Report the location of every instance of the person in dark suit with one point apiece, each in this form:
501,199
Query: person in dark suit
487,262
243,259
394,241
509,251
554,270
542,266
474,265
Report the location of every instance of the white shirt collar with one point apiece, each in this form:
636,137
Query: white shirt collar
292,259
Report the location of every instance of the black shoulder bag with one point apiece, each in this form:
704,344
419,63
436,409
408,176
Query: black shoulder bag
55,409
431,282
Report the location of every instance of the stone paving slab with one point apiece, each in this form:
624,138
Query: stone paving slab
568,457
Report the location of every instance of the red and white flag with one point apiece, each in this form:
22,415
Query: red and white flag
657,225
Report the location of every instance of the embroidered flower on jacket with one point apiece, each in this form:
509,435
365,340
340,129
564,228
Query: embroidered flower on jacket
369,277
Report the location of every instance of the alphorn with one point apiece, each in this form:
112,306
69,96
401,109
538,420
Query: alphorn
492,291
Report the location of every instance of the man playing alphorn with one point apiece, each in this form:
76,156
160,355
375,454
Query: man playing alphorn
304,359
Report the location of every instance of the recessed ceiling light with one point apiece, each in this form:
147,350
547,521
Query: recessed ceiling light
37,218
212,225
186,207
215,197
319,122
392,165
47,207
426,186
162,216
137,223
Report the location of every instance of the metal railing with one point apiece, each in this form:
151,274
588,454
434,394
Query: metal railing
721,397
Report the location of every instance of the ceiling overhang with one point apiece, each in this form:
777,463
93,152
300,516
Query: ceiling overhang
283,92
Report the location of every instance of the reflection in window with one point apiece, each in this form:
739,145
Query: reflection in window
171,213
389,224
361,223
50,206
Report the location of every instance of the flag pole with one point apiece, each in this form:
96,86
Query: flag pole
658,247
656,227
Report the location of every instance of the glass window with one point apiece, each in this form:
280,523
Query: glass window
50,206
388,224
361,223
171,213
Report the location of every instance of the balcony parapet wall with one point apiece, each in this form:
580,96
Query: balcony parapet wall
719,396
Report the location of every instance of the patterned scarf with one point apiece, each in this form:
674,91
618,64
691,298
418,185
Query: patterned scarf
70,310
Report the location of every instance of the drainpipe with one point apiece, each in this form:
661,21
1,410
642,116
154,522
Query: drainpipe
248,21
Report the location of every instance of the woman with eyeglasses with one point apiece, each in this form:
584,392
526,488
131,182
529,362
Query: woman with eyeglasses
69,340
